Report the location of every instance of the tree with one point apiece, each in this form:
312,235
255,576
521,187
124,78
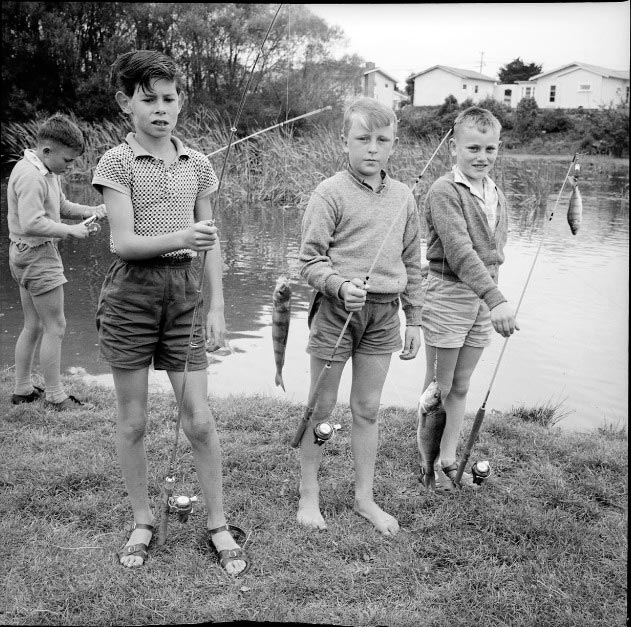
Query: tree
517,70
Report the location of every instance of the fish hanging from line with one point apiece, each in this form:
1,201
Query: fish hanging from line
431,425
575,206
281,311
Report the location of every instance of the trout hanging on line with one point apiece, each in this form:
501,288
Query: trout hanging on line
281,311
431,424
575,207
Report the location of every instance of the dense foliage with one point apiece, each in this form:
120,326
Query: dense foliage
517,70
57,57
528,128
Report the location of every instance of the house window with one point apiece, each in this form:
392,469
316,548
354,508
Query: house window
507,96
385,84
553,93
528,92
464,86
475,89
584,87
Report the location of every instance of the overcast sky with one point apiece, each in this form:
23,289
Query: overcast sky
403,39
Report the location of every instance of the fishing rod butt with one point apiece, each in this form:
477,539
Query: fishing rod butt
302,427
473,436
165,494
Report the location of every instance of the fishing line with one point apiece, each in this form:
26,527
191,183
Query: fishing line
169,480
480,414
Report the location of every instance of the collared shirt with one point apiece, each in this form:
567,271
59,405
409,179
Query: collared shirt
163,197
361,181
31,156
489,199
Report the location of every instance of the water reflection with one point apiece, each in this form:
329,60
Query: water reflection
574,317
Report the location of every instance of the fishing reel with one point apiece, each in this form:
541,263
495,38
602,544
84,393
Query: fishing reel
480,471
324,431
182,506
92,225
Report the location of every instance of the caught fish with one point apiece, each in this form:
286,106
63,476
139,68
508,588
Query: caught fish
575,207
431,424
281,311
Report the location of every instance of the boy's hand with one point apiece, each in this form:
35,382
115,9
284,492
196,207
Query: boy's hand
201,236
216,330
353,293
78,231
503,320
412,343
99,211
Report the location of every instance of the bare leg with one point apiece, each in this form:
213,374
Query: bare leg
369,375
309,514
131,395
456,399
199,426
50,309
26,345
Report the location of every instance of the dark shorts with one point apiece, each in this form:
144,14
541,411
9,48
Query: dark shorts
145,313
38,269
375,330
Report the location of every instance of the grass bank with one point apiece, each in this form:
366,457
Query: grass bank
543,542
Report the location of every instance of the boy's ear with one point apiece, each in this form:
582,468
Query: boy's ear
452,146
180,100
123,101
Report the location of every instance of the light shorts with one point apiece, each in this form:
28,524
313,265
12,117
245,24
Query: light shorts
374,330
38,269
453,315
145,313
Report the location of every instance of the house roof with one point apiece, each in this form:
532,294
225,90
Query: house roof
457,72
376,69
595,69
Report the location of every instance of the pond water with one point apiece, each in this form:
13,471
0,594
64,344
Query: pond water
572,348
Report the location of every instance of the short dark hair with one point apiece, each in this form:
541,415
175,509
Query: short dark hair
140,68
61,129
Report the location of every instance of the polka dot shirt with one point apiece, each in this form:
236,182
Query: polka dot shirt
163,197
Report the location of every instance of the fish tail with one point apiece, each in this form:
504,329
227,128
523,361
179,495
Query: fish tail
279,381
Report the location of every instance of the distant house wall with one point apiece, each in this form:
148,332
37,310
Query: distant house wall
511,94
432,87
578,87
381,86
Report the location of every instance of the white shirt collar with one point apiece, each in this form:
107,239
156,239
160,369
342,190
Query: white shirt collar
31,156
459,177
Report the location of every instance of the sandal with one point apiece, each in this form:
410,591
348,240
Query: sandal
230,555
139,550
466,481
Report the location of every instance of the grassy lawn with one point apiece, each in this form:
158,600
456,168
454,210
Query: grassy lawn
543,542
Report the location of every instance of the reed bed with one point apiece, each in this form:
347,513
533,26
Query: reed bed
280,166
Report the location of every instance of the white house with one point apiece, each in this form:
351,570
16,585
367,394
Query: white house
433,85
378,84
580,85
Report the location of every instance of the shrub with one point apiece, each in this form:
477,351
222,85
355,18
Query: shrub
526,119
554,121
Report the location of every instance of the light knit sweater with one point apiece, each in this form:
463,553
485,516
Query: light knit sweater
343,228
36,204
460,244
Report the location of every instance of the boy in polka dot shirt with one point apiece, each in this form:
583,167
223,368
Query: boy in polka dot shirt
157,194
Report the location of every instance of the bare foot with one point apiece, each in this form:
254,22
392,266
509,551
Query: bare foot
383,522
309,511
138,536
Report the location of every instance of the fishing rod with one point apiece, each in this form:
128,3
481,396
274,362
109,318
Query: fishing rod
270,128
479,417
167,501
311,401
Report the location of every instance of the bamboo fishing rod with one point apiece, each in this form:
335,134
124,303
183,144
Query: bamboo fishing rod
167,488
479,417
271,128
313,397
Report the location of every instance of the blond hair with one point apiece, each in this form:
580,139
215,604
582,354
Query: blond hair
480,118
372,113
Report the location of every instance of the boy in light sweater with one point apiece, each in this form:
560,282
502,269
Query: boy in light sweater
467,228
36,204
348,218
